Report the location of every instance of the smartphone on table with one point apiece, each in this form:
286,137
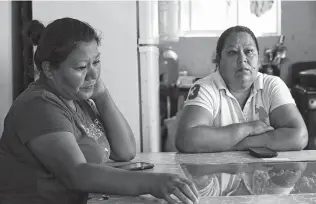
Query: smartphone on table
262,152
135,166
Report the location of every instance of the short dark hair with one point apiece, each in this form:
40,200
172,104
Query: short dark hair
60,37
222,39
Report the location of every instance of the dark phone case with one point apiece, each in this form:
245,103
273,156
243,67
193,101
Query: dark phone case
262,152
137,166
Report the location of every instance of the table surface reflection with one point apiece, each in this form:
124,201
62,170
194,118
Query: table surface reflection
252,179
235,177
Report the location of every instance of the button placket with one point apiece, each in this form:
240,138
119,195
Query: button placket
246,109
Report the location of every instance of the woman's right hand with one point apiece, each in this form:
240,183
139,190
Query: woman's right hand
258,127
164,185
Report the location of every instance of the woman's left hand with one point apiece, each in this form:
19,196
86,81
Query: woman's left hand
99,89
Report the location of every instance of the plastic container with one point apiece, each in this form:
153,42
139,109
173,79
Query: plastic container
169,26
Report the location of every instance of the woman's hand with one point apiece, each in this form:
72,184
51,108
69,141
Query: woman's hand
286,174
164,185
99,89
258,127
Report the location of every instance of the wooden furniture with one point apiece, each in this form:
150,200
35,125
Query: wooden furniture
305,98
170,162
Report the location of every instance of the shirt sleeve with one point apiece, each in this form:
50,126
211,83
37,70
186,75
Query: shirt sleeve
39,116
278,93
200,95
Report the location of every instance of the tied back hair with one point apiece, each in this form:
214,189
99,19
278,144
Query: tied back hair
34,30
58,39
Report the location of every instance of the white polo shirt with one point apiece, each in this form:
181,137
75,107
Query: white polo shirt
268,92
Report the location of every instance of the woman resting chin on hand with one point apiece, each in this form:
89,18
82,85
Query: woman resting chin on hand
59,132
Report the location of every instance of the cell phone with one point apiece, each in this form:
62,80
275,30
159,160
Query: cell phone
136,166
262,152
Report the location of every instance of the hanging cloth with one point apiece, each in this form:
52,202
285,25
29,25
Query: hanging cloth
260,7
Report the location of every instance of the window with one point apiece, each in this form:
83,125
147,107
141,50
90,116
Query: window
209,18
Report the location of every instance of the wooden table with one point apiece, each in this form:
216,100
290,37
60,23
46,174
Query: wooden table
170,162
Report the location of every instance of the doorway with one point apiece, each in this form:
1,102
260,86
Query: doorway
22,48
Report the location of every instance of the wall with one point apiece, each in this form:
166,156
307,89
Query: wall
117,22
298,25
5,60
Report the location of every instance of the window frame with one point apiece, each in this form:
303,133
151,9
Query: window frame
217,33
